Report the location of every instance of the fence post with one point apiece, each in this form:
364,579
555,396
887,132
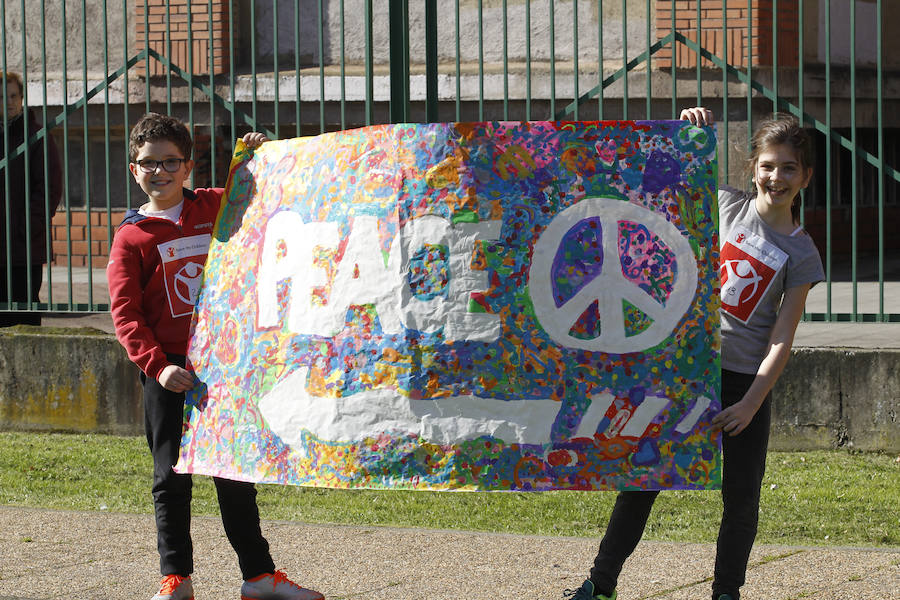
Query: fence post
431,61
397,33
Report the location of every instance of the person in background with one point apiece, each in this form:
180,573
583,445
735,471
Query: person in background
28,200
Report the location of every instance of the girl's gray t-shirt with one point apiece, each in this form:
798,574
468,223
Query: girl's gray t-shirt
757,265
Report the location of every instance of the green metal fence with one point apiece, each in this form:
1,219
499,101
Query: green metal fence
301,67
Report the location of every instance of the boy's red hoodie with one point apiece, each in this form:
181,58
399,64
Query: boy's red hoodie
153,263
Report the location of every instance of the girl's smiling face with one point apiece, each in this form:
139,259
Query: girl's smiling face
163,189
779,177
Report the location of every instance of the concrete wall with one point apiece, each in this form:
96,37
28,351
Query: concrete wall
838,397
492,17
67,380
80,380
78,14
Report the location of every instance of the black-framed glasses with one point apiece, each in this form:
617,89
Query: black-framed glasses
170,165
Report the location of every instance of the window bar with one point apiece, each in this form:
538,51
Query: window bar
370,66
7,209
649,60
480,60
801,102
673,65
699,56
749,74
458,85
600,88
147,59
576,95
125,104
775,55
552,60
231,81
624,60
725,91
276,75
49,240
65,113
212,94
854,167
321,68
26,156
527,59
828,173
406,85
87,161
298,129
431,61
169,57
190,81
106,142
506,60
343,73
254,124
880,112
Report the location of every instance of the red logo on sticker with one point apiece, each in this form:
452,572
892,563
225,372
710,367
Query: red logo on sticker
745,280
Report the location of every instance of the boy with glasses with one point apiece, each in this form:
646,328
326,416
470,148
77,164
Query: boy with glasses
155,266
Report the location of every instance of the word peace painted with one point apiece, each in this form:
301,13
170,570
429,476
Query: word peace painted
364,277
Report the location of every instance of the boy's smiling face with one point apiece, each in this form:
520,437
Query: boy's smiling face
163,188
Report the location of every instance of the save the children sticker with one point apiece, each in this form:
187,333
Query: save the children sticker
183,261
748,265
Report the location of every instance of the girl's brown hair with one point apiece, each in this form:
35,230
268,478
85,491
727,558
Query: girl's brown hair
782,129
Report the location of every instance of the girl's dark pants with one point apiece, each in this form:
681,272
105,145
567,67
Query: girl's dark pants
744,463
163,415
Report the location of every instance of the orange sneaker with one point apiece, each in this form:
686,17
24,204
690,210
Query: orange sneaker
276,586
175,587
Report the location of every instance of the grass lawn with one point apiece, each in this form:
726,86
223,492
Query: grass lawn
809,498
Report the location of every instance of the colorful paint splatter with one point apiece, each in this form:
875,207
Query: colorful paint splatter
465,306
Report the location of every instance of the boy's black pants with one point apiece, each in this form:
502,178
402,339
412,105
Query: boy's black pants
163,415
744,463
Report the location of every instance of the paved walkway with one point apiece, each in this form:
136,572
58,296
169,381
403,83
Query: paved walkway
47,554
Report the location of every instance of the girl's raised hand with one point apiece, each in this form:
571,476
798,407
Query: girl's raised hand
254,139
698,115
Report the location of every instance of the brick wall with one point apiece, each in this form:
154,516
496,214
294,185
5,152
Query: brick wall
184,16
75,224
746,24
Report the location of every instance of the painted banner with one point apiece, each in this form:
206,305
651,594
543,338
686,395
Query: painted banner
464,306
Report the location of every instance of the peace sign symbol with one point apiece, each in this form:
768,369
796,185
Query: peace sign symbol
610,287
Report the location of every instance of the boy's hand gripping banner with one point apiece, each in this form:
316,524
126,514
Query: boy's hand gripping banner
466,306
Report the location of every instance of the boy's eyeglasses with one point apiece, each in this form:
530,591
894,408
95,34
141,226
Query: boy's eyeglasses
170,165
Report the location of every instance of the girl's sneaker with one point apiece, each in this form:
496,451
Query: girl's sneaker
586,592
276,586
175,587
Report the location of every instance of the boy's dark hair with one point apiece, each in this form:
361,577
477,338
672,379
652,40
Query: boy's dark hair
154,127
